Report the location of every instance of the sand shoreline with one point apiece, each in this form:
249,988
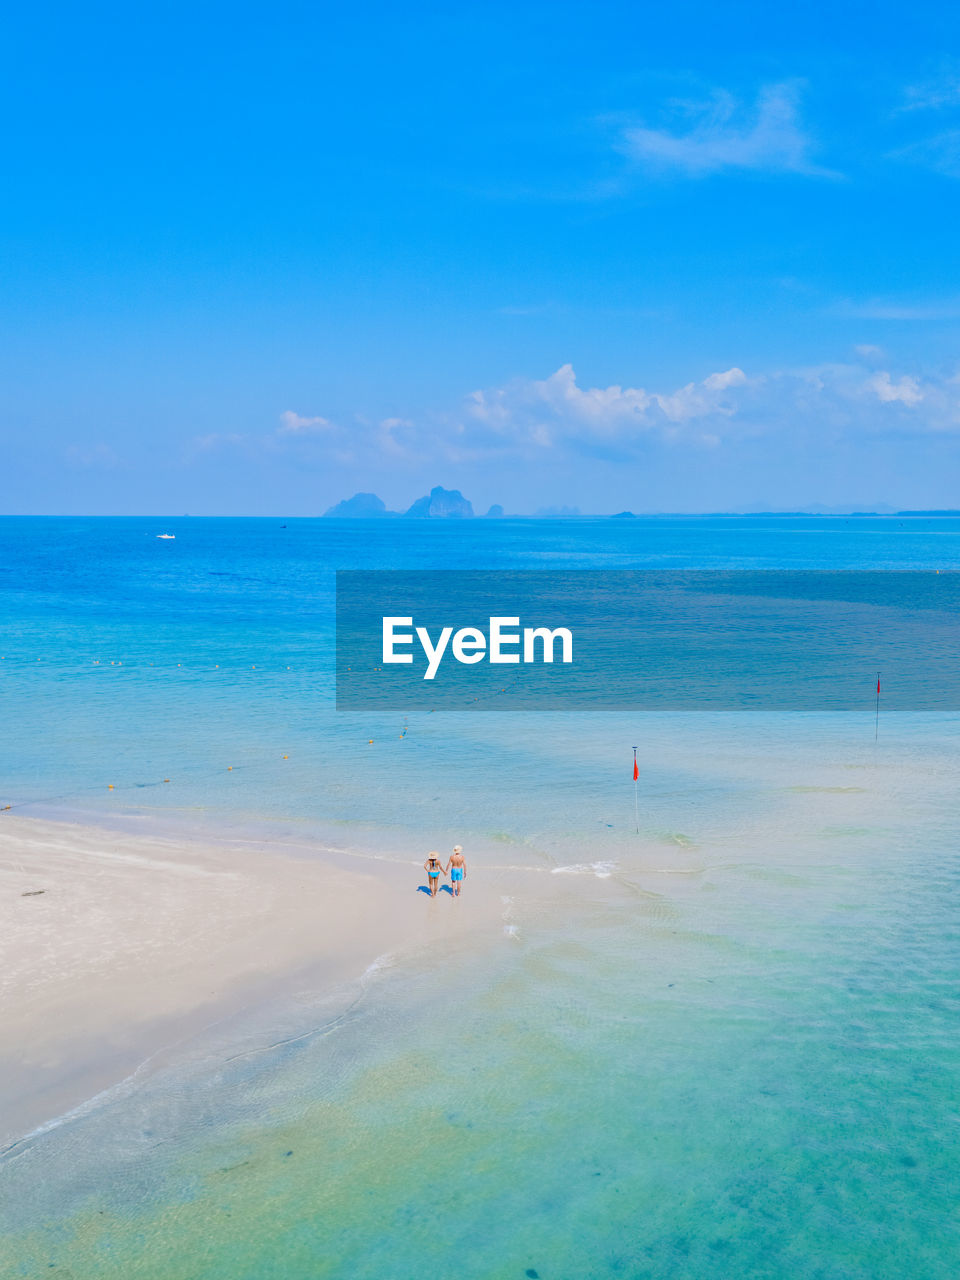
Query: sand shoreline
140,942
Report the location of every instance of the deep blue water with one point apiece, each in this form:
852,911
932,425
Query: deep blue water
127,659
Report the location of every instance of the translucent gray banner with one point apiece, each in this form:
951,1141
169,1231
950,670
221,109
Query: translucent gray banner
657,640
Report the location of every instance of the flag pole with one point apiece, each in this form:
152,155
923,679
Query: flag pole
876,726
636,791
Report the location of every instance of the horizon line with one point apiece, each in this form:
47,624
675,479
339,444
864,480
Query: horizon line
532,516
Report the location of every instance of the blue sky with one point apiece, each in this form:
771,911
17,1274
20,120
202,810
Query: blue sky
681,257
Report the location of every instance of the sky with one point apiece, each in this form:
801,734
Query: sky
681,257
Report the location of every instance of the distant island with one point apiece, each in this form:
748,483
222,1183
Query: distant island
441,504
362,506
551,513
450,504
438,504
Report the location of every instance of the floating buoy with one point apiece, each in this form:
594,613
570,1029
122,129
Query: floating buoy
166,779
371,741
109,786
286,757
229,767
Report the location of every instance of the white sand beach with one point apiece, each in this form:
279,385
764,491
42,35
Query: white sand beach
113,946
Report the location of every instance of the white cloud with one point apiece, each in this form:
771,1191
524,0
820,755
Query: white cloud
531,420
547,411
293,424
867,351
522,406
724,135
599,407
526,416
720,381
697,400
906,391
393,434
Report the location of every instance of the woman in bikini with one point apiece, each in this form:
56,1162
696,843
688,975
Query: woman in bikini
433,868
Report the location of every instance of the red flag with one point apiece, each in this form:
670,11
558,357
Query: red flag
636,771
878,684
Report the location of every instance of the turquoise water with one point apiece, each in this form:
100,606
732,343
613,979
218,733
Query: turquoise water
726,1046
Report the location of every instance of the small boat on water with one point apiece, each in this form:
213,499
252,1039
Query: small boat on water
166,535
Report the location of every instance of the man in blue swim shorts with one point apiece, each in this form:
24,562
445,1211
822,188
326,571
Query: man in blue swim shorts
457,866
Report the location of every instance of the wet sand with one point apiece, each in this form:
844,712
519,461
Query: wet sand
116,946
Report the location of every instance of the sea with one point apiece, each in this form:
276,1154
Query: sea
715,1031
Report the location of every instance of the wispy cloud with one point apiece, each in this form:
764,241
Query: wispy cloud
294,424
722,134
934,99
97,455
941,153
934,94
883,309
535,309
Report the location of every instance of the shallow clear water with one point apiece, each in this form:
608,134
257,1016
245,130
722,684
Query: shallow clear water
726,1046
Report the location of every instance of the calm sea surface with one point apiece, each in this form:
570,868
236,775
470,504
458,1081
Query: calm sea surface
726,1046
